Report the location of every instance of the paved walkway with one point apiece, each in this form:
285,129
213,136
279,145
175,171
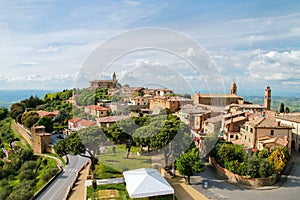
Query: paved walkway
105,181
184,191
79,191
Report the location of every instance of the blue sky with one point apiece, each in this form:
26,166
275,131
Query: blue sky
255,43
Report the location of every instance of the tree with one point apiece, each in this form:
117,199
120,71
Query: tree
86,140
23,191
279,158
225,154
281,108
173,138
122,131
32,102
47,122
287,110
30,118
16,111
3,113
189,163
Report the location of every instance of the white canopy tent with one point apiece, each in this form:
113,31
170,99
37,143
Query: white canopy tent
145,182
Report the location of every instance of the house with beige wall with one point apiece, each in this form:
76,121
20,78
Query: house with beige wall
293,120
96,110
254,132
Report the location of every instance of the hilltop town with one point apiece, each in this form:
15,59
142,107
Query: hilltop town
109,121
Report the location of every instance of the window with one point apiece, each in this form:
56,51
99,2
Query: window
231,136
251,130
245,137
246,128
272,132
249,139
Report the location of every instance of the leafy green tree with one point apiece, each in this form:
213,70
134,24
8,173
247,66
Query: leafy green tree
86,140
5,191
6,134
23,191
28,165
225,154
189,163
30,118
16,111
3,113
148,129
172,139
26,175
128,127
47,122
32,102
49,174
63,117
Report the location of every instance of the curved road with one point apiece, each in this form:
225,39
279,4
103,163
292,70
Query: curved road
220,189
58,189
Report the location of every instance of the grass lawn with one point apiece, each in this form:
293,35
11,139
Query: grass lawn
59,157
121,188
119,162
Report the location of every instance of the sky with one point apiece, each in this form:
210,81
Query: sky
49,44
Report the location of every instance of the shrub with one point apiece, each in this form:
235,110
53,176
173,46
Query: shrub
26,175
49,174
265,169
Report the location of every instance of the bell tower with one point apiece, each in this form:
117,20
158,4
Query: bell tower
114,79
267,98
233,88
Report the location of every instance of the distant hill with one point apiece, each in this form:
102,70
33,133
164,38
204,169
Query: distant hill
8,97
292,102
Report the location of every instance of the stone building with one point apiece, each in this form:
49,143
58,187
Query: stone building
40,140
267,98
293,120
96,110
219,99
232,123
104,84
194,115
173,104
77,123
257,133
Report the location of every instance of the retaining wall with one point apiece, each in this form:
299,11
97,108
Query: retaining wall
235,178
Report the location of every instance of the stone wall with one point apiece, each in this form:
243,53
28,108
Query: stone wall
22,131
235,178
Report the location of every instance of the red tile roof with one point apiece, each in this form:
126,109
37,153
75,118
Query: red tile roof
86,123
96,107
111,119
43,113
74,120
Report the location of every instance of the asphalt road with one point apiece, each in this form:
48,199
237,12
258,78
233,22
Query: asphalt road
220,189
59,187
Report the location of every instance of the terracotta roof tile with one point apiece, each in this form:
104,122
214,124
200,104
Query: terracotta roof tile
97,107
